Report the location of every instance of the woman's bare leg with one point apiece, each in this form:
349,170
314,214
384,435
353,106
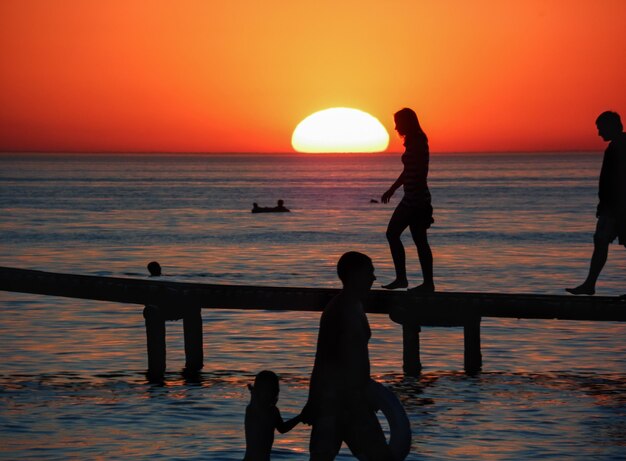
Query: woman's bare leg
420,237
396,226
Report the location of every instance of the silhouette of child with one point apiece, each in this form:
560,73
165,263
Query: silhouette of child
262,417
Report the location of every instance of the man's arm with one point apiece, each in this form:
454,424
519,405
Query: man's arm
354,366
323,376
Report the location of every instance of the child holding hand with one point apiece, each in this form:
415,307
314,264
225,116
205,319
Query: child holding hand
263,417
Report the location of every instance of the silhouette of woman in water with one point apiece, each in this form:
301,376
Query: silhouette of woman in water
414,210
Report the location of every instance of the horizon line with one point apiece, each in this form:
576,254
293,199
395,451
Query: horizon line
318,154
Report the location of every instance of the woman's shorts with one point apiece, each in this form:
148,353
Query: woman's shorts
418,216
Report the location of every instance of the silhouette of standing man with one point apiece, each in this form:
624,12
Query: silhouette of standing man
338,407
611,212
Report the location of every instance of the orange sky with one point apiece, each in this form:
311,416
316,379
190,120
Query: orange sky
238,76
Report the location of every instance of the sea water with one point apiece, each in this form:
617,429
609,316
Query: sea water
72,382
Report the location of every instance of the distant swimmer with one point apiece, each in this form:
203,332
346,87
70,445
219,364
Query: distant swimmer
414,210
279,208
611,211
154,268
263,417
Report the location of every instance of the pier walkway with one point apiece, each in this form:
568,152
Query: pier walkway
412,311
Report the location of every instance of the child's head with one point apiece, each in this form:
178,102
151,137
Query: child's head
265,387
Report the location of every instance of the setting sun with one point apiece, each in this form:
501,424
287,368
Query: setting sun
340,129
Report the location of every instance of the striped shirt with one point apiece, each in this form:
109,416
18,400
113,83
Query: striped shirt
415,161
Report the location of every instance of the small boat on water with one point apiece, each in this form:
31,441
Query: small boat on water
279,208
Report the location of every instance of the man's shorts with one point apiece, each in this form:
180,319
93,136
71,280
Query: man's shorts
607,230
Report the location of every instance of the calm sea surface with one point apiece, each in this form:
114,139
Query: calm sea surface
72,382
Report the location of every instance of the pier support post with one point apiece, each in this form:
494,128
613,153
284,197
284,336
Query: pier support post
155,317
155,336
412,364
192,326
473,355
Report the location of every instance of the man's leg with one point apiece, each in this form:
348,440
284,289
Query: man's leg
606,231
325,439
366,438
598,260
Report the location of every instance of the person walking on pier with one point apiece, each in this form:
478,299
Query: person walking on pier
338,407
611,211
415,210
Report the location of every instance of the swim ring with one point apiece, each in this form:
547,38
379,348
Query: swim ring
399,426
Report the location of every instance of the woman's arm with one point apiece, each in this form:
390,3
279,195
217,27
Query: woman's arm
387,195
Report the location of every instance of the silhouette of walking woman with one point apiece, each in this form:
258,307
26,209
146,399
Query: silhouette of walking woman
414,210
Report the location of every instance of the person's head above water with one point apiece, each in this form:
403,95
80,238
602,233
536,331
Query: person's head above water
281,203
266,387
408,126
609,125
154,268
356,271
